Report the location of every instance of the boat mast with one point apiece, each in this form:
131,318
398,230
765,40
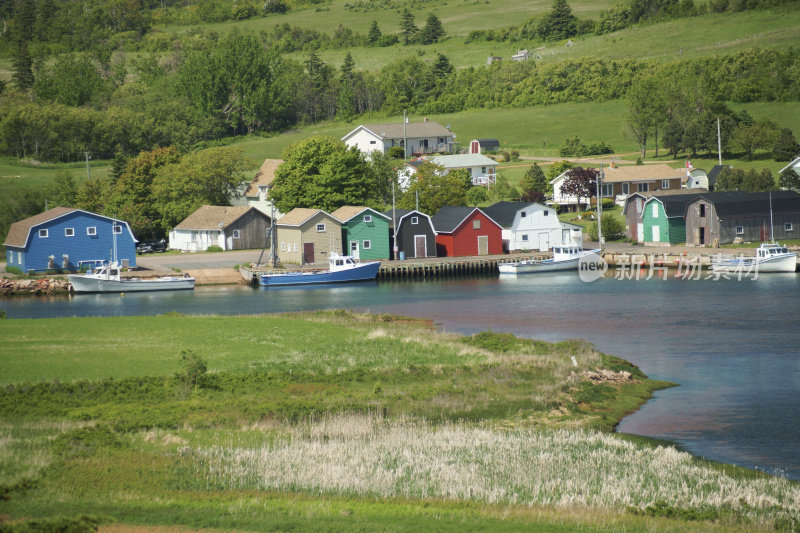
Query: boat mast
599,184
771,229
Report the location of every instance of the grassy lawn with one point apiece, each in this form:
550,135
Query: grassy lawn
355,421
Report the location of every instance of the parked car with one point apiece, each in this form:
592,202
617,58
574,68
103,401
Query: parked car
148,247
144,248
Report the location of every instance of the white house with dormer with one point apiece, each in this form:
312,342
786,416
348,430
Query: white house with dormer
482,169
426,137
532,226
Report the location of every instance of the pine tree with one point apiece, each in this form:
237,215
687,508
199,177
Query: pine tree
23,68
374,35
442,67
407,27
433,30
786,146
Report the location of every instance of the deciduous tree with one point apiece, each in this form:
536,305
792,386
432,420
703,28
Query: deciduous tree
436,189
581,183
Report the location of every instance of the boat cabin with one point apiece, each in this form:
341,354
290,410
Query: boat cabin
769,250
566,251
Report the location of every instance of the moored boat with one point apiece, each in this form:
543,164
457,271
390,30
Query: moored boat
565,257
770,257
108,278
341,269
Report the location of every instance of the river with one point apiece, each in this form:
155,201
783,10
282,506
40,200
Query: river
733,346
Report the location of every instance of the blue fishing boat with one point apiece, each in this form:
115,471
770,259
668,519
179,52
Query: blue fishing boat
341,269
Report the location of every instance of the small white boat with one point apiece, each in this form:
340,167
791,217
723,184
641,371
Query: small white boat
770,257
342,268
107,278
565,257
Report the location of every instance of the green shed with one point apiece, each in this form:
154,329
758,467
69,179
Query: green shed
365,232
664,219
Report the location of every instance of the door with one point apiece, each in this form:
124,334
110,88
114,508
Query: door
565,236
483,245
544,242
656,234
420,246
640,232
354,249
308,252
702,236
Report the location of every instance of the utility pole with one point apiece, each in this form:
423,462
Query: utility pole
719,143
88,172
394,224
405,138
600,206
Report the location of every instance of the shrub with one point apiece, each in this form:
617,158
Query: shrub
194,368
213,248
396,152
14,270
477,195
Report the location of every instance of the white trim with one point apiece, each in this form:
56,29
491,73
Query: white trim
43,233
91,231
69,232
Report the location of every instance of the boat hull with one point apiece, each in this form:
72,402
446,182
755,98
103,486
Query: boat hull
361,272
545,265
787,263
82,284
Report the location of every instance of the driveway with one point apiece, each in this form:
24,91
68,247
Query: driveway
198,261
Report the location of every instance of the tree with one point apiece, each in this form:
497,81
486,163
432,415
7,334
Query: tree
433,30
477,195
23,68
346,95
749,138
442,67
63,191
436,189
786,146
408,29
559,23
558,168
501,190
643,111
93,195
534,183
729,179
322,173
374,34
72,81
581,183
790,179
209,177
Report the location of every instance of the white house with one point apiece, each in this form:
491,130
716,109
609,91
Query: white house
238,227
482,169
794,165
258,191
532,226
423,137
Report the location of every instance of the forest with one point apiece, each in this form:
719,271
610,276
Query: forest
100,77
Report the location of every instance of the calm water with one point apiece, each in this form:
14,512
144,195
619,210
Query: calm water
733,346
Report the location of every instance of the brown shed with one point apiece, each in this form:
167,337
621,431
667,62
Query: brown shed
229,227
306,236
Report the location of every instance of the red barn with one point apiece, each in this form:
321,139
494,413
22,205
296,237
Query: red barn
464,230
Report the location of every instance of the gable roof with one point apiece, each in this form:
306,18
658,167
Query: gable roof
19,231
347,212
504,212
619,174
300,215
463,160
412,129
214,217
674,204
264,176
450,217
658,194
401,214
752,204
795,162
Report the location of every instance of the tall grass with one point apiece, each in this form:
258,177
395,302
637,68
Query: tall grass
373,457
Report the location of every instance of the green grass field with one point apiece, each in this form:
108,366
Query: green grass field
356,422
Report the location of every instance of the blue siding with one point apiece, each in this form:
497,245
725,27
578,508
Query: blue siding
79,247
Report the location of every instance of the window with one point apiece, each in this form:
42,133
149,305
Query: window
608,189
320,228
545,212
43,234
69,232
523,214
283,246
483,170
372,142
626,188
643,187
524,237
702,210
655,209
476,224
91,231
117,229
236,234
415,220
739,230
787,226
665,184
366,245
639,206
295,247
19,258
367,218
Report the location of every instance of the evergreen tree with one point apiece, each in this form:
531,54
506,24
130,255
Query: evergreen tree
559,23
346,105
441,67
374,35
408,29
23,68
433,30
118,164
790,179
785,147
534,181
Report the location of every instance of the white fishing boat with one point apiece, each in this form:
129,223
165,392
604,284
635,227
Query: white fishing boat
770,257
108,278
342,268
565,257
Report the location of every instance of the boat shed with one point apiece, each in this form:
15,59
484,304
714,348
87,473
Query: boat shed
415,234
463,230
306,236
64,238
237,227
727,217
661,220
365,232
532,226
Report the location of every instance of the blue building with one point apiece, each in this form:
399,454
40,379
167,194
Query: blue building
66,238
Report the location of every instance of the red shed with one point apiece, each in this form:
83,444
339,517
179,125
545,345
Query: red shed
464,231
